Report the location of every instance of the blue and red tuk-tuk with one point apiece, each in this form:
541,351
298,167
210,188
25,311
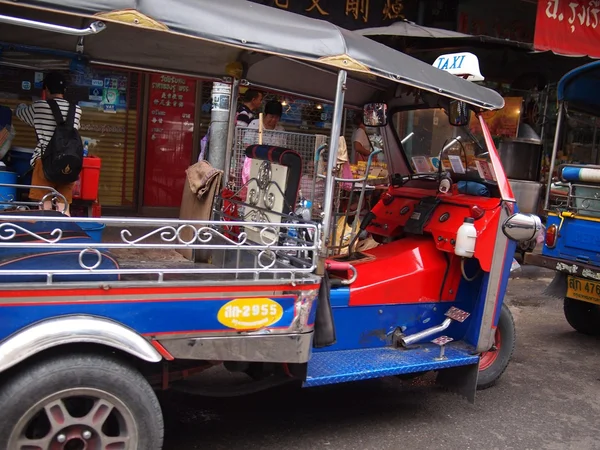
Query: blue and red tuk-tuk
90,329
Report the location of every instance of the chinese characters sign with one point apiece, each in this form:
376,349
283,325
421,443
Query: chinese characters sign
569,27
169,138
350,14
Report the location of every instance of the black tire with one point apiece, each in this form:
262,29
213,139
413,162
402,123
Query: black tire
584,317
494,362
106,399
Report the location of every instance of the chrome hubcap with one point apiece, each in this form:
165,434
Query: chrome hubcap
76,419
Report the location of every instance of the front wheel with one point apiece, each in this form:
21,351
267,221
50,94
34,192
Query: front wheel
494,362
582,316
79,401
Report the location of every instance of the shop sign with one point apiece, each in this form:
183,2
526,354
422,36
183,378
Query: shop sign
169,138
350,14
568,27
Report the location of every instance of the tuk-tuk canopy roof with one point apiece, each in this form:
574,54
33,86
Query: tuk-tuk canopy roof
580,88
278,48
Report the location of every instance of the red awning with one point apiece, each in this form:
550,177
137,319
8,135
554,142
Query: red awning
568,27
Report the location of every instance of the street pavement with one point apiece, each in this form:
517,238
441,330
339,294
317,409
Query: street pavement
549,398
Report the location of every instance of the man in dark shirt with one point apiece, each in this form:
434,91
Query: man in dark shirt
251,101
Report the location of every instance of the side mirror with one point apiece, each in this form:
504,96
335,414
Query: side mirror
458,113
375,114
522,227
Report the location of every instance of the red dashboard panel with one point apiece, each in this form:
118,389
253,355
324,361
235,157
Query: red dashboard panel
445,221
409,270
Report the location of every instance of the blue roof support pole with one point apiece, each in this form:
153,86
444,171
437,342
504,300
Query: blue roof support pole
559,123
336,130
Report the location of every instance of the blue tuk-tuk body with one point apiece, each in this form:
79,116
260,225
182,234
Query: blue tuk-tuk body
572,242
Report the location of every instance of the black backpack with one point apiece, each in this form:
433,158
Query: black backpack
62,159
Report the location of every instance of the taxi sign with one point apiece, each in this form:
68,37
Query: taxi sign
463,64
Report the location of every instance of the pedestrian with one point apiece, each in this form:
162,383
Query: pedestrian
361,145
251,102
40,116
271,133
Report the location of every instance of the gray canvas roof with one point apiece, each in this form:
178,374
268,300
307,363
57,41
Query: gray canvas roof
280,49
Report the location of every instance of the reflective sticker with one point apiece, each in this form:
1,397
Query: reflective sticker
250,313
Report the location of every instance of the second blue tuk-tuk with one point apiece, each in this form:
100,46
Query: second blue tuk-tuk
572,238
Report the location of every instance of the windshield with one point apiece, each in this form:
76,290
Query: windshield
461,150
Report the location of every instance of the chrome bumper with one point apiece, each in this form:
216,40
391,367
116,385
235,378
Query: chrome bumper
279,348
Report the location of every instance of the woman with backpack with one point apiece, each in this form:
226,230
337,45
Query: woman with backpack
58,157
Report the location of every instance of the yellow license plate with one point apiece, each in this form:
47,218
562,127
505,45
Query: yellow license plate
584,290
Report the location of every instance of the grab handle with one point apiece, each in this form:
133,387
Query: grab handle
340,266
94,28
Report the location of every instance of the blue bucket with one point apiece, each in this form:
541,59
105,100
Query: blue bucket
7,194
93,229
18,160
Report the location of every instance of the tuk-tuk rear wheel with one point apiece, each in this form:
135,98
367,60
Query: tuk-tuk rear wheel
79,401
494,362
584,317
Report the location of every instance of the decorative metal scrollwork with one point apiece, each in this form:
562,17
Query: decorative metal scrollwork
264,174
9,230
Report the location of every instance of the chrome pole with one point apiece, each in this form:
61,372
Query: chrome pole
336,128
561,109
235,88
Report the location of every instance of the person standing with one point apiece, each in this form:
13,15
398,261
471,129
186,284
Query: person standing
251,102
40,116
361,145
271,133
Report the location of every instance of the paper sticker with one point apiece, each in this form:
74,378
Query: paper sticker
456,162
485,170
38,80
98,83
421,164
250,313
95,94
26,85
435,162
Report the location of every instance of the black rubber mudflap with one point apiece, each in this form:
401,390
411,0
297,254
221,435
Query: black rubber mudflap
421,215
558,287
324,326
461,380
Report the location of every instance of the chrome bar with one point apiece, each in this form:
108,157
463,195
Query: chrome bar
235,88
336,126
561,109
413,338
94,28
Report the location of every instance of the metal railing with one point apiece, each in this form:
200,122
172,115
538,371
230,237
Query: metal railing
233,256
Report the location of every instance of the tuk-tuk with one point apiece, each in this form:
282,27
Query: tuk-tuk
87,333
572,239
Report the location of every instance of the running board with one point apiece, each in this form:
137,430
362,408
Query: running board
342,366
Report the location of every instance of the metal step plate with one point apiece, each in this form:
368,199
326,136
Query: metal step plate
353,365
457,314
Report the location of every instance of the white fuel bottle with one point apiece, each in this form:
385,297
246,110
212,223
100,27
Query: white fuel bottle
466,238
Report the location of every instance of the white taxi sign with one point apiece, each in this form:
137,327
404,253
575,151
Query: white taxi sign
464,65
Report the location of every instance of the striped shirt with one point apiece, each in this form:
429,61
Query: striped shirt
39,116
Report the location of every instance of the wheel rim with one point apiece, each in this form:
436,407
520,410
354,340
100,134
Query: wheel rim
488,358
76,419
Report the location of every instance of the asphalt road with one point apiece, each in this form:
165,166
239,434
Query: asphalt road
549,398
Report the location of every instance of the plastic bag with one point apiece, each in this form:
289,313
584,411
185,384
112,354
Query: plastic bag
7,134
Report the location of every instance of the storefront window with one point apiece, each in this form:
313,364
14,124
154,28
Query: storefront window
108,100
